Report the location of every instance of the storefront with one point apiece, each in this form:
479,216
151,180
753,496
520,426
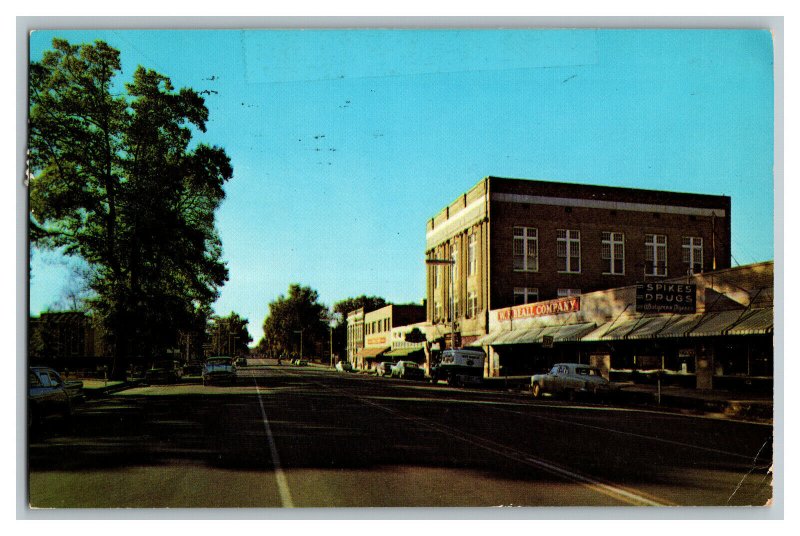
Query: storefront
724,340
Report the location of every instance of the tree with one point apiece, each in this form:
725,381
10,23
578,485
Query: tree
368,303
115,182
294,318
228,335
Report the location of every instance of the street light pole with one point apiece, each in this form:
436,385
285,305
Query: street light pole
301,342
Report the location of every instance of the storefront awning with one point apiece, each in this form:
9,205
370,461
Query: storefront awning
621,328
681,326
715,324
573,332
760,322
534,335
651,329
371,353
404,352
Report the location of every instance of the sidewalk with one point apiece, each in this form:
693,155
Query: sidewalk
753,405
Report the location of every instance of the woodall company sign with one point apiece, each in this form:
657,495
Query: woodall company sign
570,304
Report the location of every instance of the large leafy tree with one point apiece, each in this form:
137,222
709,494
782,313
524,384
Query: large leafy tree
115,180
228,335
298,314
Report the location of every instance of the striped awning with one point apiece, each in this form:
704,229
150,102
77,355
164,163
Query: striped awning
651,329
681,326
371,353
621,328
404,352
760,322
715,324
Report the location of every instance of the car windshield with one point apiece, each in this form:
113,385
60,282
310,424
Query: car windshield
219,362
410,365
587,371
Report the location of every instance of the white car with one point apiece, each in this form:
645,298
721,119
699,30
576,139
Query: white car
568,379
219,369
344,366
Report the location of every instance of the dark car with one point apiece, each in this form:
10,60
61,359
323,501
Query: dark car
164,372
49,396
384,368
407,370
219,369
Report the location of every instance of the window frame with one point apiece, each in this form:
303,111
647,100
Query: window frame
691,249
525,238
609,238
568,240
651,244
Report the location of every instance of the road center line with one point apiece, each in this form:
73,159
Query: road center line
280,476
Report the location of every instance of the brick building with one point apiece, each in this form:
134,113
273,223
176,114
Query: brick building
377,330
507,242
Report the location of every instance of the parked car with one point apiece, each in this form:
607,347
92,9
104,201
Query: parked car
300,362
344,366
50,396
407,370
569,379
164,371
384,368
219,369
193,368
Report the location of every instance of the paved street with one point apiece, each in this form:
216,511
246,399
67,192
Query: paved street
310,437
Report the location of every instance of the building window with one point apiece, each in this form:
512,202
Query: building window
437,276
472,260
655,255
472,304
613,253
569,251
523,295
563,292
526,249
693,254
437,311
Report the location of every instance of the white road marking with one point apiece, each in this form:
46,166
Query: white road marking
616,492
280,477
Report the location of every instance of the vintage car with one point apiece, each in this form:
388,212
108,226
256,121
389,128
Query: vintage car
407,370
344,366
384,368
569,379
164,371
219,369
50,396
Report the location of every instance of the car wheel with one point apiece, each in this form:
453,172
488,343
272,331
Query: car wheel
536,390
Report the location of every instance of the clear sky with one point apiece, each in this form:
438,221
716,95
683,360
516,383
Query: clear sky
344,143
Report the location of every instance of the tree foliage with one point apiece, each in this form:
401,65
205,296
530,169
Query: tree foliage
115,182
288,315
228,335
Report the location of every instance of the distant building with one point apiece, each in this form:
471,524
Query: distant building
65,340
377,330
508,242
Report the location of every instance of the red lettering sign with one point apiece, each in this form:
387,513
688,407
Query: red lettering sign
571,304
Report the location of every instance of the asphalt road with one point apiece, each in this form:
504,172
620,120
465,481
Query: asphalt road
307,437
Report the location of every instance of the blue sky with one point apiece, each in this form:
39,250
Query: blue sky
344,143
